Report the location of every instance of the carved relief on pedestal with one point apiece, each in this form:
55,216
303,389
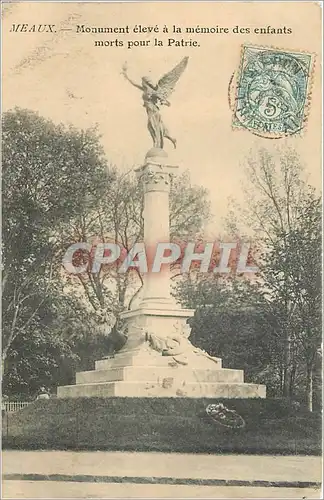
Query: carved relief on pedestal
176,345
182,328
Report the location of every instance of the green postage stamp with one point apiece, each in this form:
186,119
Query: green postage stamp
273,91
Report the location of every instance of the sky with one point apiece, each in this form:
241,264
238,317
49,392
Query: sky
64,77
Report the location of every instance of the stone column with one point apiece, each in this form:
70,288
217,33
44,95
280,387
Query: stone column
155,176
156,312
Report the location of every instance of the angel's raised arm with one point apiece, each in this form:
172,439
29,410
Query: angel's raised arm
124,72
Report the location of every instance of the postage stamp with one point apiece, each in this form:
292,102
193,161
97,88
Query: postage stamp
272,93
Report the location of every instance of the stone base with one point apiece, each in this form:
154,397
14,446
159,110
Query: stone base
163,389
140,369
146,373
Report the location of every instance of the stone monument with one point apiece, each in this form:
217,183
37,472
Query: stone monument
158,360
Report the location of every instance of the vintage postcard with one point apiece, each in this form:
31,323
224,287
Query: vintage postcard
161,249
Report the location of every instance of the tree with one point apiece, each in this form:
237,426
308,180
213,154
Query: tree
277,199
59,341
50,174
293,267
269,325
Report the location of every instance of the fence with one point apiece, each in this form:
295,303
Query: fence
12,406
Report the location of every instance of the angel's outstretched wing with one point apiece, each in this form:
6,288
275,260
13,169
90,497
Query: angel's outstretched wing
167,83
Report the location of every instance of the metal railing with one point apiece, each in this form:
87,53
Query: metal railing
12,406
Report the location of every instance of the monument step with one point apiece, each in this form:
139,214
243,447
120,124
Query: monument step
156,374
167,388
128,359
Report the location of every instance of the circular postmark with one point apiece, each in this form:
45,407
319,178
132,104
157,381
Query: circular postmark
270,95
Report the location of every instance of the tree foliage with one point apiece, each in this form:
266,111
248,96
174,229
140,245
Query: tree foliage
49,174
273,329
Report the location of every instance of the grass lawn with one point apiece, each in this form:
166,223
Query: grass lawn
162,424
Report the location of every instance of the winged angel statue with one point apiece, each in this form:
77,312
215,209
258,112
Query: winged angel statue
155,96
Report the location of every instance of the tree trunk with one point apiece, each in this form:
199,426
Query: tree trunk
292,380
309,388
286,370
281,378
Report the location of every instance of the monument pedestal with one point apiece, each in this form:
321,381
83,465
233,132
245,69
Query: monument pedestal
144,373
158,360
141,370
